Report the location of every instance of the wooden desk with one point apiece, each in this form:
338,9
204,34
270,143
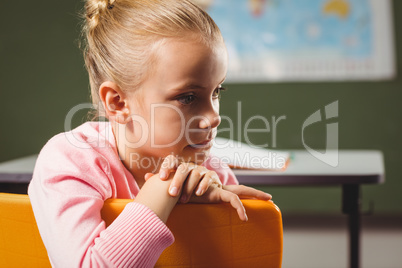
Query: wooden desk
356,167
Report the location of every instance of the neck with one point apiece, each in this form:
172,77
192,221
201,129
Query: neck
134,160
141,165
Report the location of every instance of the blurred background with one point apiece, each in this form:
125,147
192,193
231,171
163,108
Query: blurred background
43,77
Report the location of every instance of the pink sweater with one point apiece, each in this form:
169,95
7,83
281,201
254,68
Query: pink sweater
75,173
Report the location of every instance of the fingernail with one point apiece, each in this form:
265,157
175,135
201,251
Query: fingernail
173,191
199,192
162,174
246,217
183,198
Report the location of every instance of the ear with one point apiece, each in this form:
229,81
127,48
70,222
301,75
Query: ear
115,102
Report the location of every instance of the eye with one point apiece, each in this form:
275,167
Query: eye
186,99
217,92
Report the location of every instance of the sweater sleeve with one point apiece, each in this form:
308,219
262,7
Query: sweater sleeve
67,193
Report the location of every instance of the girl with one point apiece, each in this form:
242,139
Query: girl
156,69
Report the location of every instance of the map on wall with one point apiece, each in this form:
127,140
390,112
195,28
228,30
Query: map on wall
285,40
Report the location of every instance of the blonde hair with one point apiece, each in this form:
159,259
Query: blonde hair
120,36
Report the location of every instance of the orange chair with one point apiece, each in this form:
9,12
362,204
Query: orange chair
206,235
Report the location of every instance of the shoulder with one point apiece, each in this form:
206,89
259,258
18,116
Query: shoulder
224,172
83,145
90,135
78,157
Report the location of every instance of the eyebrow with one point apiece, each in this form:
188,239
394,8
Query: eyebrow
191,86
194,86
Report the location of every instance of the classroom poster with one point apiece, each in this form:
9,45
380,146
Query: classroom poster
296,40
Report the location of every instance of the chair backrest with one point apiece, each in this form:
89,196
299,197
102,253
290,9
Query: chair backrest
20,241
206,235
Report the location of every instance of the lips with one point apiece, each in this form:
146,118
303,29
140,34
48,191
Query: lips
203,145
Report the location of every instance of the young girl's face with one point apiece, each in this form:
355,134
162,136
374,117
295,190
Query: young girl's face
179,101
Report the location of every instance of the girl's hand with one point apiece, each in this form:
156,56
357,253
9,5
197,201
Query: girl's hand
231,194
188,177
246,192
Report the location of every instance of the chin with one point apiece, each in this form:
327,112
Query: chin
195,155
200,157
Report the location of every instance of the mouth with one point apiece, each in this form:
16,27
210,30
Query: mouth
203,145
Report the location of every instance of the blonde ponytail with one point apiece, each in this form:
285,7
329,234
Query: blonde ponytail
94,8
120,36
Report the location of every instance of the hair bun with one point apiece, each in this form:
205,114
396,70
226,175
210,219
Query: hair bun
95,8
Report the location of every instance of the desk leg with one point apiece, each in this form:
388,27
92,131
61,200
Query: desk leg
351,206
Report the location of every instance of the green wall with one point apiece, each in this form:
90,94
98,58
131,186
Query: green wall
42,78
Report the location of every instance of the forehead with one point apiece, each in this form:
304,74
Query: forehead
178,61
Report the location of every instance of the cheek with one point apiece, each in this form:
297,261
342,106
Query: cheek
168,126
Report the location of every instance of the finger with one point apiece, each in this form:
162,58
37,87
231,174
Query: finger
170,163
211,177
194,178
247,192
148,175
180,177
234,200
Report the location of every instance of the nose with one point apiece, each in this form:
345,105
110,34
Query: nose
211,119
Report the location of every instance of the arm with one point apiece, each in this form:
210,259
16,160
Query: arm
67,194
154,194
